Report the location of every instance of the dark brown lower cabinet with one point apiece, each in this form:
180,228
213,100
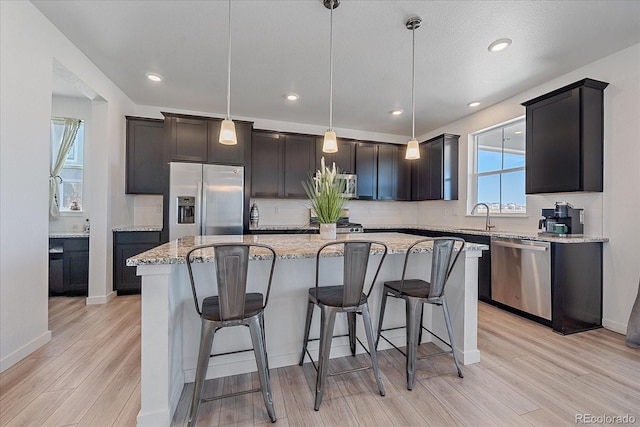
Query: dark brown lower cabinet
69,266
125,245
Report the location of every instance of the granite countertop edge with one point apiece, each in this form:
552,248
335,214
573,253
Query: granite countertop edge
69,235
287,246
128,228
498,233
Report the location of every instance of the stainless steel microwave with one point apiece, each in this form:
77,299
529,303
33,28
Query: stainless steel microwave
351,185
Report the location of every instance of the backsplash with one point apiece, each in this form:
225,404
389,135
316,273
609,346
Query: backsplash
296,212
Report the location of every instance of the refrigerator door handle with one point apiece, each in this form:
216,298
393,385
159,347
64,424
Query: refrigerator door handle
199,207
203,219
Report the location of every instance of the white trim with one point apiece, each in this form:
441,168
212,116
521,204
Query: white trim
614,326
102,299
16,356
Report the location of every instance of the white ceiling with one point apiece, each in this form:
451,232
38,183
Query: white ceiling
283,46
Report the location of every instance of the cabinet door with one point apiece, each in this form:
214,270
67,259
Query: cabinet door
553,144
366,169
76,272
125,280
145,156
229,154
435,169
450,165
403,174
420,175
188,139
267,169
387,172
299,160
345,158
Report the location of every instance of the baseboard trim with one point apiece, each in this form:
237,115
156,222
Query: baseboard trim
101,299
16,356
618,327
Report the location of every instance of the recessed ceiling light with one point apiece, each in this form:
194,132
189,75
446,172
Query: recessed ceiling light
396,112
473,104
154,77
292,96
499,45
518,132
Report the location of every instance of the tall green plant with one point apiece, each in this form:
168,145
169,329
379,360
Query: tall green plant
325,192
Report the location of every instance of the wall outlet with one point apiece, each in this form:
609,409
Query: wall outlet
158,208
77,227
276,209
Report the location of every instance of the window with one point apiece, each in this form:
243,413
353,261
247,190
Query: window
499,175
72,172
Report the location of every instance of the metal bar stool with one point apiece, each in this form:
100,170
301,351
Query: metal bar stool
416,293
233,306
345,298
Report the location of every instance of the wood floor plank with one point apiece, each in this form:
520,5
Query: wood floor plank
39,409
129,413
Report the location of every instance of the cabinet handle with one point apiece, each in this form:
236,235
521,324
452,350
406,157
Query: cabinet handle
518,246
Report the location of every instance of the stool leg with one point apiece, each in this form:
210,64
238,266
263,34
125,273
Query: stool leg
259,348
326,334
206,340
307,326
383,305
351,323
366,318
414,310
447,320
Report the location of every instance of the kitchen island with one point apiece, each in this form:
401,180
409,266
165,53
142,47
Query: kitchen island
171,327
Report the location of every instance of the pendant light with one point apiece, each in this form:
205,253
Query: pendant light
228,128
330,144
413,148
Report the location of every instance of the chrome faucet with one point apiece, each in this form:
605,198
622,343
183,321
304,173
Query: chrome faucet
487,225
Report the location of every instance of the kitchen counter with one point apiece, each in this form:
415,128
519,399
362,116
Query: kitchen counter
171,326
287,246
137,228
450,229
69,235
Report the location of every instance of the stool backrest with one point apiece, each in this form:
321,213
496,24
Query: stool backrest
231,266
441,261
356,260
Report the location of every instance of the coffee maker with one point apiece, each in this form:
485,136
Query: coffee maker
562,220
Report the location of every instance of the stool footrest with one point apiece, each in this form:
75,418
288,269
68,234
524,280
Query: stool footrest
224,396
230,352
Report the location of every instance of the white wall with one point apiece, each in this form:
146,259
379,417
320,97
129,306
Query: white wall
78,108
613,213
28,45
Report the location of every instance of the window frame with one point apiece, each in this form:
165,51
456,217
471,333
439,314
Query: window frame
75,160
472,194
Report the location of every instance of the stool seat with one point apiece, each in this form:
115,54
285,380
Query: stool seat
413,287
211,307
332,296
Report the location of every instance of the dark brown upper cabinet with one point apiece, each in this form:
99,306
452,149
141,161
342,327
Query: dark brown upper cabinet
564,140
394,173
280,163
434,176
145,156
345,158
195,139
367,170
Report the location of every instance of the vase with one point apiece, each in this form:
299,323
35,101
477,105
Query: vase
328,231
254,215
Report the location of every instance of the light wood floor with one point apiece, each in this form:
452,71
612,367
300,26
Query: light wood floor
89,375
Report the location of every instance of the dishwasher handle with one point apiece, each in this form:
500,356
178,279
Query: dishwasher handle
520,246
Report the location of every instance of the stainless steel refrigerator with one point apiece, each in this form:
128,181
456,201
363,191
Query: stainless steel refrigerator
205,199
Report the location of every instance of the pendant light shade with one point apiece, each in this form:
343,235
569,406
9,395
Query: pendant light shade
228,133
228,128
413,148
330,144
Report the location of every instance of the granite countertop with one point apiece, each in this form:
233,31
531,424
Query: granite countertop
69,235
138,228
287,246
451,229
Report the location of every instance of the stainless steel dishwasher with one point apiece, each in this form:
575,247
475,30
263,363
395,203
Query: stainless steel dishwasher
521,275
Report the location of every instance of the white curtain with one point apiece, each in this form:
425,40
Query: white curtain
59,151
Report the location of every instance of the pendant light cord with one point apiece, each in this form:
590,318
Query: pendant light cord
331,70
229,69
413,84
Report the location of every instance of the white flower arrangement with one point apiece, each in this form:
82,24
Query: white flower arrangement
325,192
